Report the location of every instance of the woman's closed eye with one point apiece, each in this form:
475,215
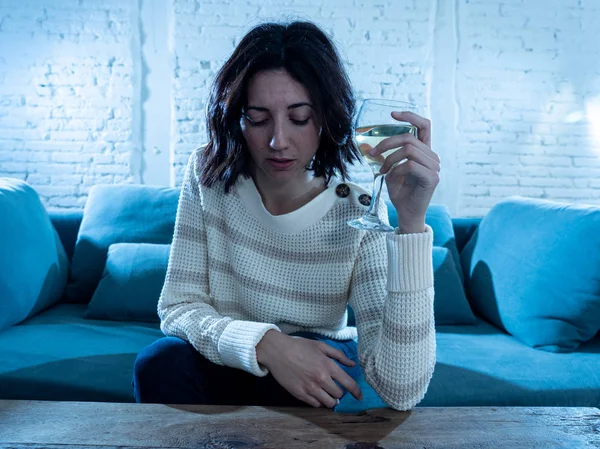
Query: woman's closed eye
256,121
299,122
260,122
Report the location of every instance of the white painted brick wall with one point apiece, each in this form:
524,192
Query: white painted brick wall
526,70
514,85
67,96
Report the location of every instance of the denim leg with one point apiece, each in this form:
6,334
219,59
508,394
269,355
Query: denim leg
270,393
349,404
171,371
348,347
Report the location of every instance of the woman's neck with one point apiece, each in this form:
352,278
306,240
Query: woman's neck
283,198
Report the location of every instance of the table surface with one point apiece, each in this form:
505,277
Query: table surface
87,425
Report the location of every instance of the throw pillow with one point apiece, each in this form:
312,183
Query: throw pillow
131,283
450,304
33,264
533,269
438,217
117,214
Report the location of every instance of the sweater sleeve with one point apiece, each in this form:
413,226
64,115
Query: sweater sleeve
392,297
184,306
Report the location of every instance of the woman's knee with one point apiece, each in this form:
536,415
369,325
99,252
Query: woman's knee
162,358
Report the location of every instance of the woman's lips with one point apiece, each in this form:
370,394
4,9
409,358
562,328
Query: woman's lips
281,164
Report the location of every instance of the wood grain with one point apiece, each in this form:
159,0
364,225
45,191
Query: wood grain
89,425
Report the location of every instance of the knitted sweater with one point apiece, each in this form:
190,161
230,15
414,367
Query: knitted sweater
236,271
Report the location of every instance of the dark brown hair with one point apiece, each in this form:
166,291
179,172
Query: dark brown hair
308,56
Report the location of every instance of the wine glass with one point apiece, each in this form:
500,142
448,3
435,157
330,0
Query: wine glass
374,123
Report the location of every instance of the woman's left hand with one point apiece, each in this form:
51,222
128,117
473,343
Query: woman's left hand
410,184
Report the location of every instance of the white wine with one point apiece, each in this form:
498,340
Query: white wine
369,136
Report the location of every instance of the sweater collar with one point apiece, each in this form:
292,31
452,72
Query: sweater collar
294,221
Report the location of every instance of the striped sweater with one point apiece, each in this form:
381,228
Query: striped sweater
236,271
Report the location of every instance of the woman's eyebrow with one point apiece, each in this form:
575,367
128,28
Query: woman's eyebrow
258,108
292,106
297,105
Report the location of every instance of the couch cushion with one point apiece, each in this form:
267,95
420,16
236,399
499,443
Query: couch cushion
114,214
483,366
131,283
450,304
33,264
58,355
533,269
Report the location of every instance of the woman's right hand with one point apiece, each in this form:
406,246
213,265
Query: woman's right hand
306,368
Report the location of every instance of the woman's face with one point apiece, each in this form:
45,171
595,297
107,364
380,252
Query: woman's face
280,126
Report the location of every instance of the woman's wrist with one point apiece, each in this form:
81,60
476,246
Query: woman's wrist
411,228
267,346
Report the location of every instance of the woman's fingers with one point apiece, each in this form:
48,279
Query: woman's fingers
311,401
422,124
338,374
401,140
346,381
426,176
330,351
332,389
410,152
324,398
365,148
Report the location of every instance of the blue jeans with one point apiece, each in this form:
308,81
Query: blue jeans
171,371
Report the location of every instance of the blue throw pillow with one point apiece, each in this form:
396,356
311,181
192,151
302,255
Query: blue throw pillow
450,304
131,283
533,269
33,264
438,217
117,214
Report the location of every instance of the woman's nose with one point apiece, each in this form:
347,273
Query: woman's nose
279,140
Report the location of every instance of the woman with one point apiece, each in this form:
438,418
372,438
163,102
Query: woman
263,264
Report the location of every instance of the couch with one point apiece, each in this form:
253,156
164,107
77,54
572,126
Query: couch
59,354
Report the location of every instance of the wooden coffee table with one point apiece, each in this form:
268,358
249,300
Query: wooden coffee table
83,425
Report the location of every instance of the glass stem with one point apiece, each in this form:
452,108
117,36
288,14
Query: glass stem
377,186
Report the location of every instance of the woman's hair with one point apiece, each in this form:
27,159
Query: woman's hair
305,52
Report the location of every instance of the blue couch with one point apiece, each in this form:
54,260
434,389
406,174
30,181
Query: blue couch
57,354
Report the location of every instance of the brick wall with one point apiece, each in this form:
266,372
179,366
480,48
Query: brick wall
114,91
528,95
67,98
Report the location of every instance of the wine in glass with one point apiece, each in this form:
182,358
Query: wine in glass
374,123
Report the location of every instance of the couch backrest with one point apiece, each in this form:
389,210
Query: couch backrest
464,229
67,224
